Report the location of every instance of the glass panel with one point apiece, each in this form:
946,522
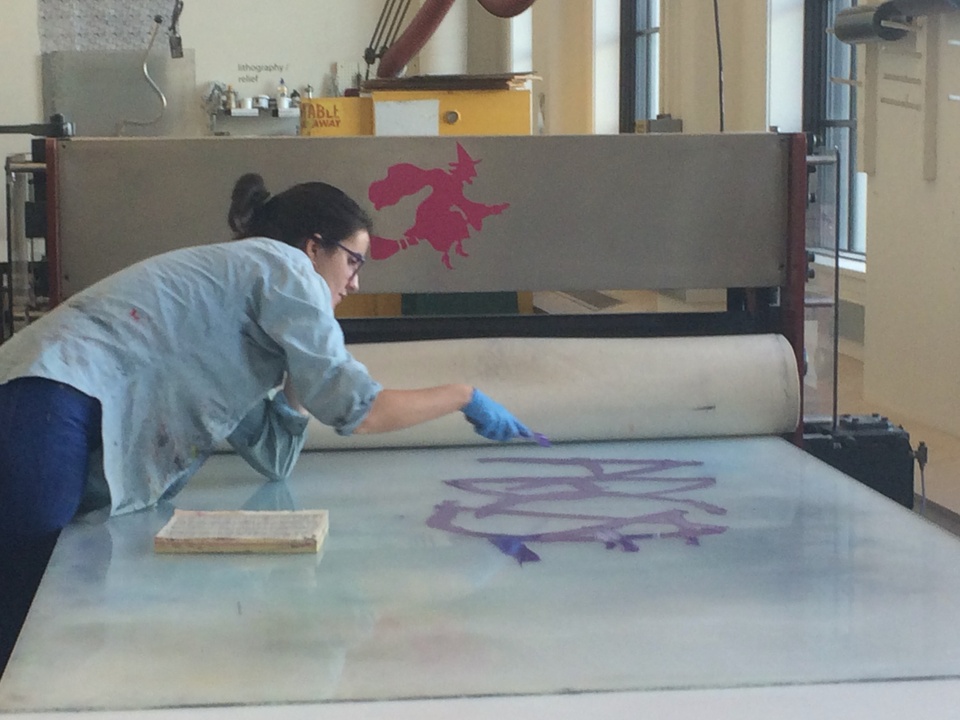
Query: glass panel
840,138
818,346
494,571
822,207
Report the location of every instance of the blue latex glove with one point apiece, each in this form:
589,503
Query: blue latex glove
491,420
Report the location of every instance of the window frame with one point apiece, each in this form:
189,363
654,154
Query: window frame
823,121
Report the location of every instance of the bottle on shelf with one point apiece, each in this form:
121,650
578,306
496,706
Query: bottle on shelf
283,96
230,101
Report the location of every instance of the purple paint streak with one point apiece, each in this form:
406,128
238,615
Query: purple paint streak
567,505
541,439
515,548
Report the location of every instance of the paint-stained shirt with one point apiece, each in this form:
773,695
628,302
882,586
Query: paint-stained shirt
185,350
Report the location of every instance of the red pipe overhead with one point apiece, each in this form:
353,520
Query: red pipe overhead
505,8
425,24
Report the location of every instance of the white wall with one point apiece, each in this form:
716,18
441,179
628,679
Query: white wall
446,51
19,83
689,87
301,40
912,339
20,80
563,54
576,52
307,38
488,41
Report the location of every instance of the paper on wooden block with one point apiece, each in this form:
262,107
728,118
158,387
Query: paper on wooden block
243,531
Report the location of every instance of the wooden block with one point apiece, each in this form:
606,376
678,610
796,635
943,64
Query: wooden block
243,531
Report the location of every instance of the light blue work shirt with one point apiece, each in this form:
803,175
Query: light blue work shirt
184,350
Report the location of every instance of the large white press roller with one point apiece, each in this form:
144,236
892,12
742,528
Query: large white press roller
584,389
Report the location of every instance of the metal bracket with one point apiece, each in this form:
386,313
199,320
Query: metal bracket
58,127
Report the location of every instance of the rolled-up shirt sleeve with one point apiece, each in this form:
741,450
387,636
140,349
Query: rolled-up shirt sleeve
296,312
270,437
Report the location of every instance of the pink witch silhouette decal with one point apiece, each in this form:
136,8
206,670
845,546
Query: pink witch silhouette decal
444,219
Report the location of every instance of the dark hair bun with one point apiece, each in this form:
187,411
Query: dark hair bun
249,195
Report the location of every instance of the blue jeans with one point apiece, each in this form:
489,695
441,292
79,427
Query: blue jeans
47,433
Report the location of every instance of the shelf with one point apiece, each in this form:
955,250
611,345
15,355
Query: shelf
293,112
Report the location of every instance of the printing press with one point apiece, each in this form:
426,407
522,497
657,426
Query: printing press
674,543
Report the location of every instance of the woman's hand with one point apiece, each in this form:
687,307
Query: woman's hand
493,421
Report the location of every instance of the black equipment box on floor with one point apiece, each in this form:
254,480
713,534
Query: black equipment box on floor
868,448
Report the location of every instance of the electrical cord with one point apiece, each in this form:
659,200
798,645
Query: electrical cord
921,456
716,23
157,22
176,42
175,17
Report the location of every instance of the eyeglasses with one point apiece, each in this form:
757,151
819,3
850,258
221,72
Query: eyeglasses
356,259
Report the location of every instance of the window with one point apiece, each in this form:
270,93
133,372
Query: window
639,61
829,112
830,102
521,42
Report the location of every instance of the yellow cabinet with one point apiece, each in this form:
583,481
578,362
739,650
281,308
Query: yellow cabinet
467,112
336,116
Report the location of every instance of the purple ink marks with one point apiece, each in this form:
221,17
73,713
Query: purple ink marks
616,503
613,538
444,218
134,315
541,439
515,548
